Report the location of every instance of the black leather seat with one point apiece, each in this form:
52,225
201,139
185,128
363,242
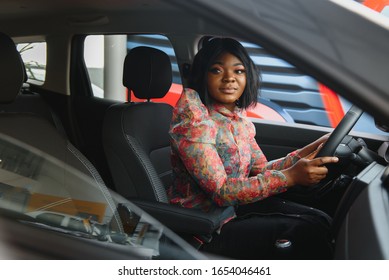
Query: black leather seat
135,134
137,146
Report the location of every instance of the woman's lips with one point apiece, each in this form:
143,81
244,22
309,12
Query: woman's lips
228,90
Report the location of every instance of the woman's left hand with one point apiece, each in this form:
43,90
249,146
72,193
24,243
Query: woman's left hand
312,149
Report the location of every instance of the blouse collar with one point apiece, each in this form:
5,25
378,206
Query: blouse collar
237,113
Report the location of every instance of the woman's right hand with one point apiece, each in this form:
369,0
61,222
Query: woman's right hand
308,171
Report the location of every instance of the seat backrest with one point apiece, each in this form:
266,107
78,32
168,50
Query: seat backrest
34,104
135,135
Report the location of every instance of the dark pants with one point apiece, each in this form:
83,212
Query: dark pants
254,233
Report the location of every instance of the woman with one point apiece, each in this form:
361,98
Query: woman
217,162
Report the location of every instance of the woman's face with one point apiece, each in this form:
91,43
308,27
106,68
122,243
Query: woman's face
226,80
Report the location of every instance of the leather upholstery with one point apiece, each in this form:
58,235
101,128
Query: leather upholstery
135,135
136,143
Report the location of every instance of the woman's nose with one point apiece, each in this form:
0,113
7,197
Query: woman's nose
228,77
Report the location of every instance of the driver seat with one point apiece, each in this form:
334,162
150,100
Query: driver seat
137,146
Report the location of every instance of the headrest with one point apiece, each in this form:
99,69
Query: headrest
12,71
147,72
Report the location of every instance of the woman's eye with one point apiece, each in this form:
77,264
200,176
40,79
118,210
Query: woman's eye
240,71
215,70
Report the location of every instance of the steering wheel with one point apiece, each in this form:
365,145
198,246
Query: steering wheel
341,130
329,148
317,192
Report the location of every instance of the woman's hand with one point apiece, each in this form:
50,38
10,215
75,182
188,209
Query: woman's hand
308,171
314,147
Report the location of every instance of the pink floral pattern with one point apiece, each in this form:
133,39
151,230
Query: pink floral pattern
216,160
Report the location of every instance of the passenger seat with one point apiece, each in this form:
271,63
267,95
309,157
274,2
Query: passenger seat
135,135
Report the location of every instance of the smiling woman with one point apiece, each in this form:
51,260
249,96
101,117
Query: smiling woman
216,163
313,67
232,78
226,80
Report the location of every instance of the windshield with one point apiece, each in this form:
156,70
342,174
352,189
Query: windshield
48,193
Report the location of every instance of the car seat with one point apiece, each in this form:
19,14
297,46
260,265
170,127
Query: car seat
137,147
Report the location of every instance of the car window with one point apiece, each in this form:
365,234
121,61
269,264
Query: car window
291,94
287,94
34,58
49,193
385,11
380,6
104,56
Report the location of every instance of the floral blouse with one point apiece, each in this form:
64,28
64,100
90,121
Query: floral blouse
216,160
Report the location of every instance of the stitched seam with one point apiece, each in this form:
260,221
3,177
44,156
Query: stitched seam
133,145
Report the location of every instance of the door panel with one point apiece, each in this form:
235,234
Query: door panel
277,139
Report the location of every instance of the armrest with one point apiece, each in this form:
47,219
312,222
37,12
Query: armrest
186,220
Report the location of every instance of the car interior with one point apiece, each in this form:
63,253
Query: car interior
21,116
123,145
28,118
